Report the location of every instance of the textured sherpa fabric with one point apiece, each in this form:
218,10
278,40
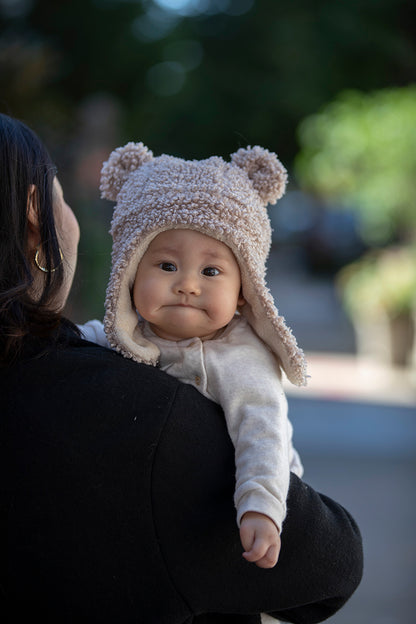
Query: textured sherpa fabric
227,201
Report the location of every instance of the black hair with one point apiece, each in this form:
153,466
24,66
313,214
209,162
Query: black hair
26,169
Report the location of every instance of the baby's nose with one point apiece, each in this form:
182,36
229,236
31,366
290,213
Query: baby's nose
188,285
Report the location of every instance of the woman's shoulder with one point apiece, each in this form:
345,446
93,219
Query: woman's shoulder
102,369
80,389
71,372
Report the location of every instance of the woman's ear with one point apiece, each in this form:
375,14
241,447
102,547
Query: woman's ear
33,237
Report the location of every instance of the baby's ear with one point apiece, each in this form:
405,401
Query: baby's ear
118,167
241,301
265,171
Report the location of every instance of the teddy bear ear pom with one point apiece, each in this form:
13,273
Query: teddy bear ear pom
121,163
265,171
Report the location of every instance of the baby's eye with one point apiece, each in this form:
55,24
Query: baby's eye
167,266
210,271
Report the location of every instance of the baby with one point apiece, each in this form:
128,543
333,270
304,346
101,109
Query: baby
187,293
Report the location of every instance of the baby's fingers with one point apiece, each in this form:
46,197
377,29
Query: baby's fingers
247,535
260,539
257,551
270,558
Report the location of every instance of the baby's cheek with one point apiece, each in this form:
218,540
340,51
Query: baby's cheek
140,299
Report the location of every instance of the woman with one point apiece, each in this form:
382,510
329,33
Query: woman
110,495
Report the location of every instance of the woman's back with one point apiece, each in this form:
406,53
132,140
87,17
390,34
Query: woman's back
117,488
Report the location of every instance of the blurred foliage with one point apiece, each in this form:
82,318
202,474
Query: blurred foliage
360,151
205,79
191,78
382,283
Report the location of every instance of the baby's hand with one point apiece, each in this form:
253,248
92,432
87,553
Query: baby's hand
260,539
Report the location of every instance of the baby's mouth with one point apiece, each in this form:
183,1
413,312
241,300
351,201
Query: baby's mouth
185,305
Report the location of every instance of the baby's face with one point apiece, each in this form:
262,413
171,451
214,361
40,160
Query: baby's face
187,285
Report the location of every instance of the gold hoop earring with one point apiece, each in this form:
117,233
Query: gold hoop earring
45,270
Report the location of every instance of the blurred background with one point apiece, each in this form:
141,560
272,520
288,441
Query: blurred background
329,86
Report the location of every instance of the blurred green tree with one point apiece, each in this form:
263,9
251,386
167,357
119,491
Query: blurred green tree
360,151
199,76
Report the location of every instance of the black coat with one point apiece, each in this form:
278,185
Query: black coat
117,504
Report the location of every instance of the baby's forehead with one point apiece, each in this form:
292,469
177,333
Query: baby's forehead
179,239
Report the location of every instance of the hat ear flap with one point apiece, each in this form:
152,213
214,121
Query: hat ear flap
265,171
121,163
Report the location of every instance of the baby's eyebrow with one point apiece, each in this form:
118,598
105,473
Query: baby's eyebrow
208,255
214,255
221,254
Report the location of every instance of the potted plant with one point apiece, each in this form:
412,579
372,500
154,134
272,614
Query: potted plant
379,294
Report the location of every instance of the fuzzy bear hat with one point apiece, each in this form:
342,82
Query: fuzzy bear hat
227,201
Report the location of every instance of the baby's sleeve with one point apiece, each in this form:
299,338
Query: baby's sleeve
247,382
93,331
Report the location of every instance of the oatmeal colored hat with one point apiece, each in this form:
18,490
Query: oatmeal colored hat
225,200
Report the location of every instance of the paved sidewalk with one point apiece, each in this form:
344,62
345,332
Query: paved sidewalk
358,444
346,376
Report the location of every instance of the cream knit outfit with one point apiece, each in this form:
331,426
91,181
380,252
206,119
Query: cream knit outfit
237,371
